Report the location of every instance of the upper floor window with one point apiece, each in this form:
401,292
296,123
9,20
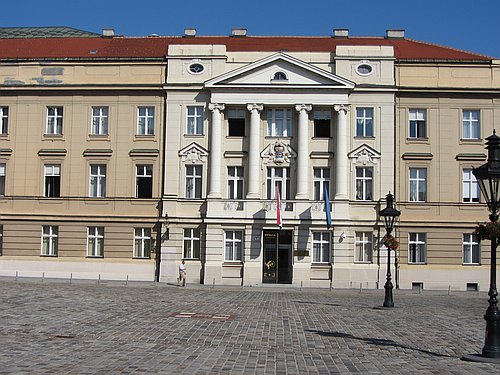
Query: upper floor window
321,180
194,123
95,241
280,76
97,185
471,125
193,181
470,187
278,177
233,245
52,180
417,248
235,178
99,121
191,248
50,235
54,121
418,123
364,122
364,183
418,184
236,122
4,120
144,181
321,247
142,242
364,249
322,123
279,122
2,179
470,245
145,120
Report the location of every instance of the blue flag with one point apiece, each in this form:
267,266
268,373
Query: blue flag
326,198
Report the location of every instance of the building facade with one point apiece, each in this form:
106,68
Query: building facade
131,154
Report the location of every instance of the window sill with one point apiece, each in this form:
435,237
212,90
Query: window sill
194,135
318,137
95,257
417,264
48,256
472,141
364,137
141,258
231,263
190,259
471,264
423,140
53,136
321,265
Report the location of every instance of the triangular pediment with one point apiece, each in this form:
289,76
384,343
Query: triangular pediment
193,153
364,155
279,71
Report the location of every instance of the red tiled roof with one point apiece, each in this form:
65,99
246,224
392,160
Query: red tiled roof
156,47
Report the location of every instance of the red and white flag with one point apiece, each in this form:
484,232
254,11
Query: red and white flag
279,221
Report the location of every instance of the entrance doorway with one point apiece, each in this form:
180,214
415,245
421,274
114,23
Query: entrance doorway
277,267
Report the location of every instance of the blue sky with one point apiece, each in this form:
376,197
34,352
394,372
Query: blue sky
463,24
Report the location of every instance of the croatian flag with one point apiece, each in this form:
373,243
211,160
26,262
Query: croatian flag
326,198
279,221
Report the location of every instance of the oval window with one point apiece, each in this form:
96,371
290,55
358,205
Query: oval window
196,68
364,69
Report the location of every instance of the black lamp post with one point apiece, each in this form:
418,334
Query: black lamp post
488,176
389,214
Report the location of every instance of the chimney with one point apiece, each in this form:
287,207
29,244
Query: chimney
189,33
108,33
239,32
341,33
395,34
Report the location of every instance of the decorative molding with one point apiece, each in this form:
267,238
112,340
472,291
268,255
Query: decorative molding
364,155
305,107
97,152
235,154
144,152
417,156
465,156
193,153
216,106
8,152
258,107
278,153
321,154
342,107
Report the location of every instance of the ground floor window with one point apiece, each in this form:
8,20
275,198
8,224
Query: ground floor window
416,248
49,240
470,247
142,242
364,248
191,243
95,241
321,247
233,245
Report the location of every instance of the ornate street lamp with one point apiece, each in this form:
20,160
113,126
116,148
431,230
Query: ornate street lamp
488,176
389,215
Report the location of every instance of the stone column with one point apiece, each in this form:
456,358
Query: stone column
254,152
303,151
215,150
341,160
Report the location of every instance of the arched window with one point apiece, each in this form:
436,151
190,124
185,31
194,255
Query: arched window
280,76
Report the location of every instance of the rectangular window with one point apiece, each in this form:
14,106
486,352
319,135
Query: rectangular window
416,248
321,247
195,115
191,243
99,121
278,176
322,123
142,242
144,181
49,240
97,185
233,243
364,122
471,125
52,183
235,178
470,187
95,242
1,239
364,183
470,247
4,120
418,123
279,122
2,179
364,248
193,181
145,120
236,122
54,121
321,179
418,184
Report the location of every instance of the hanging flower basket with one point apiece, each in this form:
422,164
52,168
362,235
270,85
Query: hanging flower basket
488,231
390,242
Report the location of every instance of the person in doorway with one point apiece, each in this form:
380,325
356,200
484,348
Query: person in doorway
182,273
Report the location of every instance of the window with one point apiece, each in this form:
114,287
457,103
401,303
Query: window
364,249
364,183
236,122
235,182
417,123
97,181
95,241
54,120
471,125
193,181
279,76
418,184
49,240
99,121
144,181
416,248
278,176
322,123
364,69
191,243
321,179
470,246
470,187
1,239
145,121
364,122
4,120
321,247
52,183
195,116
233,243
279,122
142,242
2,179
196,68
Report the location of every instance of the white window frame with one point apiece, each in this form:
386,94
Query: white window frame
191,243
364,121
4,120
194,181
98,180
99,123
417,184
145,120
321,249
142,243
283,182
143,172
470,187
49,240
233,245
195,116
54,122
3,169
417,248
364,184
51,170
363,243
274,129
471,127
417,123
471,249
235,182
95,242
321,178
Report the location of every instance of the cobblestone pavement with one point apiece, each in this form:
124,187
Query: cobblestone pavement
89,328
